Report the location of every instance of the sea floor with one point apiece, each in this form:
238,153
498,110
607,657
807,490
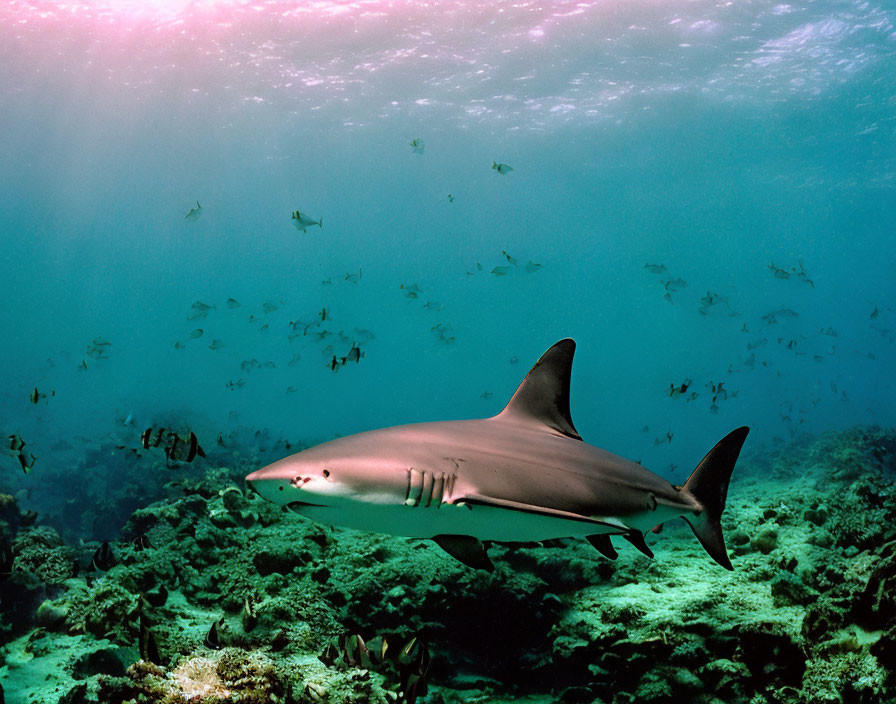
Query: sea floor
217,596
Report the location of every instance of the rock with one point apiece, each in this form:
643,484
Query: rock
279,558
50,615
765,540
789,590
103,661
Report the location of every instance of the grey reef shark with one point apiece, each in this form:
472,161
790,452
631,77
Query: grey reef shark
524,475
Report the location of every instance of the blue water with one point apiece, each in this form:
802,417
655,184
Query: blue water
714,139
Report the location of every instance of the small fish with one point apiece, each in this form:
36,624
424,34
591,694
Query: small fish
233,303
532,267
149,649
141,542
197,305
778,273
418,146
674,285
656,268
328,282
178,345
366,335
433,305
500,270
302,222
354,278
486,395
17,450
324,315
212,641
501,168
450,198
198,332
678,390
248,617
238,384
335,363
249,364
296,358
194,213
36,396
510,259
216,344
269,307
103,558
874,313
290,389
82,367
354,354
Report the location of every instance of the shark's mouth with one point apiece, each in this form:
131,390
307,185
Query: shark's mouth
294,505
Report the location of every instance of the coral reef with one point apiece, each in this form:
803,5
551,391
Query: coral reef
245,602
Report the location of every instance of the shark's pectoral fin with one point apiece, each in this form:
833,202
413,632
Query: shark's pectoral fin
603,545
466,549
636,538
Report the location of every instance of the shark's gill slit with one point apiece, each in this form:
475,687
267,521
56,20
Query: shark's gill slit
437,488
415,487
426,494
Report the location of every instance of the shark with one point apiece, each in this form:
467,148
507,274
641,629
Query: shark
522,476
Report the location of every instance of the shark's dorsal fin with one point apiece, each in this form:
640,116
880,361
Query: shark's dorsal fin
543,397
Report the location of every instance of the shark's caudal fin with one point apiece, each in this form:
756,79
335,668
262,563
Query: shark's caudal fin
543,397
708,484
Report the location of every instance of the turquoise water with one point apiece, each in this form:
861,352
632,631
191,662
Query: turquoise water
713,139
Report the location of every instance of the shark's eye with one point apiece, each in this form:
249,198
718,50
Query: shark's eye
326,473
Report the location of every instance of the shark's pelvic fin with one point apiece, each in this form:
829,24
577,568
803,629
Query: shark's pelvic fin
708,484
466,549
603,545
543,397
636,538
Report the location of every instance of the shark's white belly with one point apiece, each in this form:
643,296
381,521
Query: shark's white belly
482,522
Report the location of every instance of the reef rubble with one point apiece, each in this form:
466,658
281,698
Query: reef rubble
217,596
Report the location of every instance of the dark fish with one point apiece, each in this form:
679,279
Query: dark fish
156,597
141,542
680,389
6,560
149,650
212,640
656,268
268,307
324,315
248,617
354,354
510,259
103,558
450,198
17,449
233,303
335,363
500,270
176,448
238,384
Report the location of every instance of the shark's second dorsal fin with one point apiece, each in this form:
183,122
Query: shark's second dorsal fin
543,397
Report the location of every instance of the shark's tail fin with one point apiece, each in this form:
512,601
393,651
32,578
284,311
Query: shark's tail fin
708,484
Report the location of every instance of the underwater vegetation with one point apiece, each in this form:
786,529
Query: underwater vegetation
211,594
